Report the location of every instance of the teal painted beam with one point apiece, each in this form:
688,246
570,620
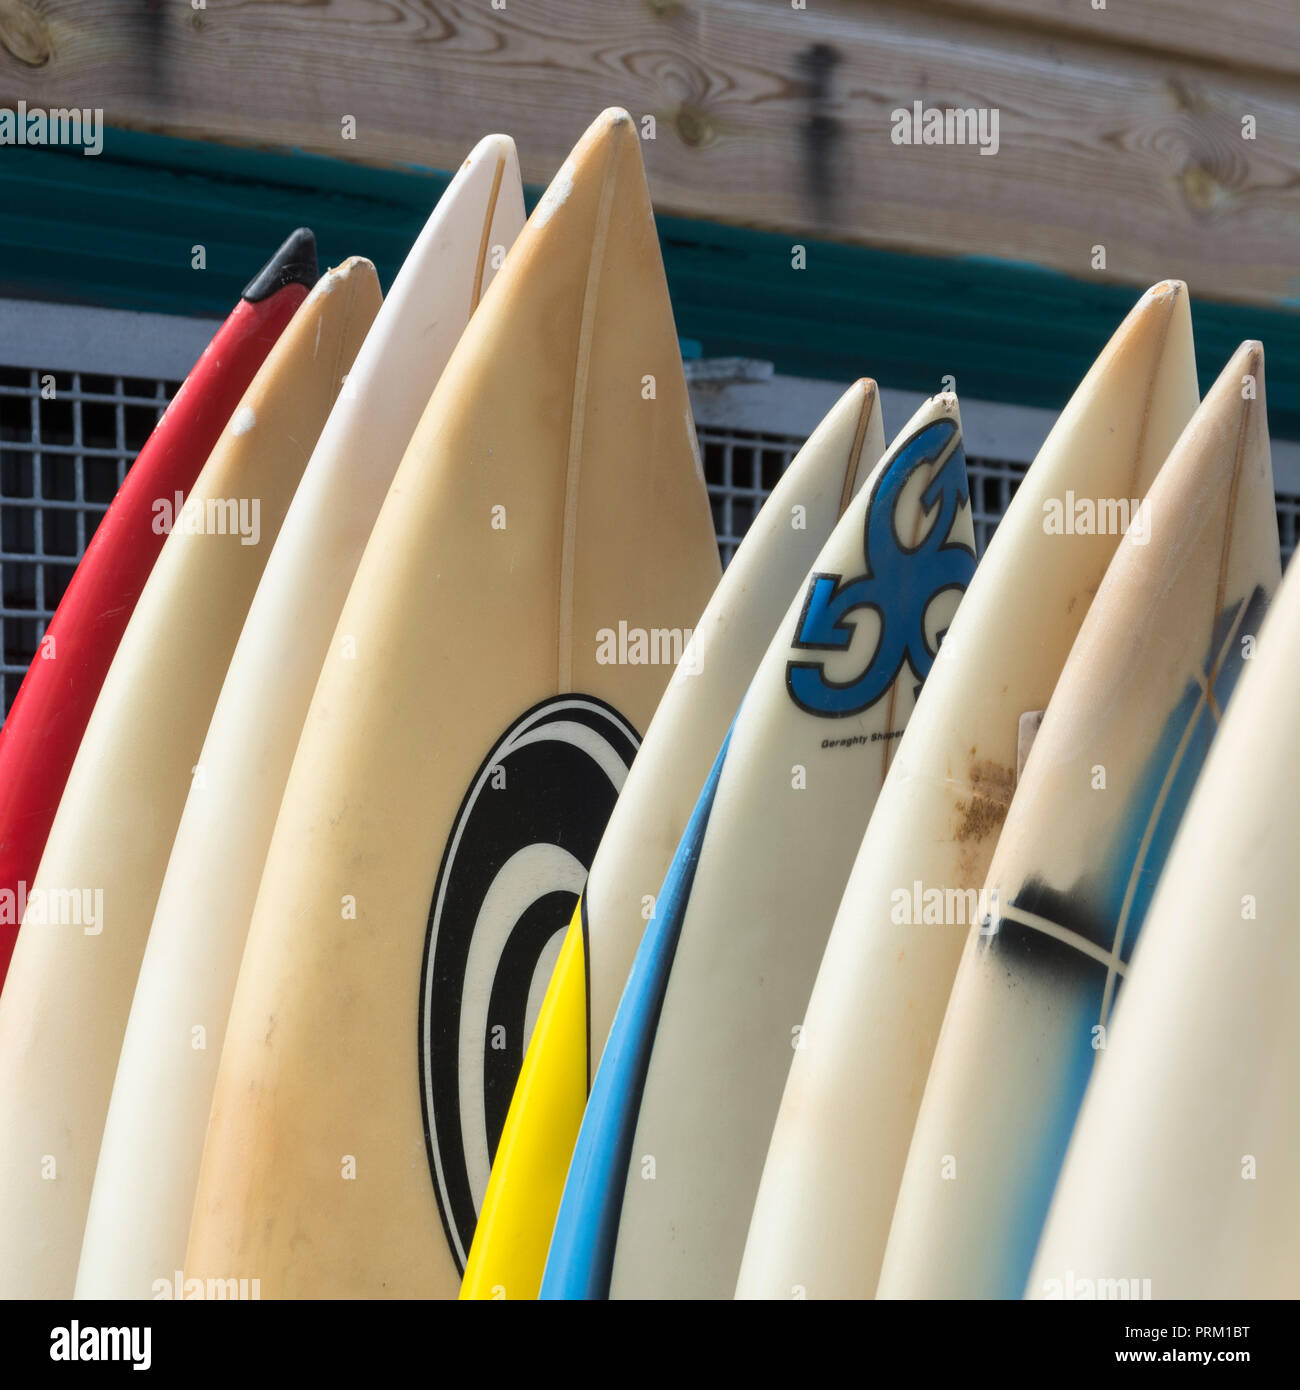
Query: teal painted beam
118,230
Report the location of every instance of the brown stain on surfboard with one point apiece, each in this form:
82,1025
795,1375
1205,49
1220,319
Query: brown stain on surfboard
983,811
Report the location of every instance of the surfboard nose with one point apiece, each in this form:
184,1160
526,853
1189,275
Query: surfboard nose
1163,310
1166,289
354,270
294,263
496,145
1249,357
612,116
1224,452
607,154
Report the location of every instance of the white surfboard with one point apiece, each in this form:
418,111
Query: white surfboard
1110,773
534,573
65,1004
840,1142
514,1228
139,1217
663,1178
1181,1176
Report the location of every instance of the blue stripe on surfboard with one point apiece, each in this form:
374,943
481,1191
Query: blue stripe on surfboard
581,1257
1190,727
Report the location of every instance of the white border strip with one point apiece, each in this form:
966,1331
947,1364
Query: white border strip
107,342
121,342
794,406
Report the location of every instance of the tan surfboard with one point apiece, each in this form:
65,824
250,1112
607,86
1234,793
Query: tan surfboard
139,1218
544,551
837,1152
514,1228
1109,775
1181,1176
68,995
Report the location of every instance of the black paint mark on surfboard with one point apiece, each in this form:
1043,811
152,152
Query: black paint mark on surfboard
1077,911
1046,963
513,867
1143,832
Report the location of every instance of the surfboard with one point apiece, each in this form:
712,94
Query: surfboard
43,730
66,1001
532,1158
535,571
1202,1068
668,1159
821,1217
1108,777
139,1218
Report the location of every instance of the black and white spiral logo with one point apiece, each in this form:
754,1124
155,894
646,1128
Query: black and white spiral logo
510,877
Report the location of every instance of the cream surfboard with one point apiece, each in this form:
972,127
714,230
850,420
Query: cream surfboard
1110,772
514,1227
543,553
68,995
1182,1169
840,1142
139,1216
663,1178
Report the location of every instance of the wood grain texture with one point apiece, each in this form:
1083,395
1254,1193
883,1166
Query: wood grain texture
1253,34
766,116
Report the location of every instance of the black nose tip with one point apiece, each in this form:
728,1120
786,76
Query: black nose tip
293,264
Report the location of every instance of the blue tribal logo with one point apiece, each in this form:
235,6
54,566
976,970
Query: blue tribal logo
900,582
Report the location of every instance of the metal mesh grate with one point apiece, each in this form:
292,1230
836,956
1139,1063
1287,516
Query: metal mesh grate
741,467
66,441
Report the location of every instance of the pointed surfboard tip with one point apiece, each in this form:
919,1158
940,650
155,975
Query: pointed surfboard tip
1247,360
293,264
864,393
614,131
605,148
1250,355
356,270
494,146
612,116
1167,289
1154,344
946,402
1164,304
1238,393
1224,449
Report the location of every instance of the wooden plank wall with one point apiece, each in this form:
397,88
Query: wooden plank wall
1119,127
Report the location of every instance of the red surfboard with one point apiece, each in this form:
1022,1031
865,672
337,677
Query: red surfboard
41,736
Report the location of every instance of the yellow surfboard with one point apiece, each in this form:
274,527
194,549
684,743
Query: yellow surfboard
68,994
514,1228
541,558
